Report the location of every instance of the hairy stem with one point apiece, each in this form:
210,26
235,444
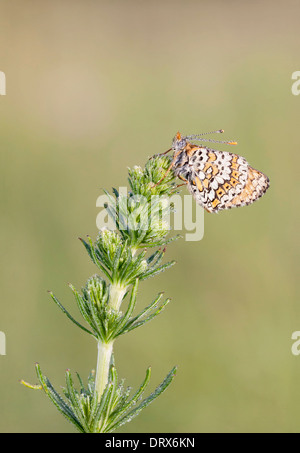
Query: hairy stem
116,294
103,363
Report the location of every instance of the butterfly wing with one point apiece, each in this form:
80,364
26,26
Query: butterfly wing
256,185
221,180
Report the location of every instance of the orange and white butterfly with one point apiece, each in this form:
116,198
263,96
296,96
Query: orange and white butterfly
217,179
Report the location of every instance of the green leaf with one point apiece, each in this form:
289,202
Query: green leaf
158,391
68,314
141,319
73,397
119,328
117,416
57,400
157,270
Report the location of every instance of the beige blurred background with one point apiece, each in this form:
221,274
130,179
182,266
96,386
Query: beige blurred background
94,87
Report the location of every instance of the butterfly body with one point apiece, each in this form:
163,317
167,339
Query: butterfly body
217,179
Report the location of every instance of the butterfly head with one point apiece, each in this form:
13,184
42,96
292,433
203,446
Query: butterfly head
179,142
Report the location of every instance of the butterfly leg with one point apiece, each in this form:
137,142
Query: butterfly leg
172,163
157,184
161,154
182,179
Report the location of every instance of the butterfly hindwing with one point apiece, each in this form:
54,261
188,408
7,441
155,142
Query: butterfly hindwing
256,185
221,180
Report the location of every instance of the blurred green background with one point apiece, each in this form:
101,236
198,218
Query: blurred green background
94,87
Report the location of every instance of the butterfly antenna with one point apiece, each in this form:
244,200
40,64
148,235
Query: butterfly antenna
191,137
230,142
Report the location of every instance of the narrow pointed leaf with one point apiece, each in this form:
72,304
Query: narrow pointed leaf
68,314
160,389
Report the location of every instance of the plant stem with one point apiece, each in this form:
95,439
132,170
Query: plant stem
103,362
116,294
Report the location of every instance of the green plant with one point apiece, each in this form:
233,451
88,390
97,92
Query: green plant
123,256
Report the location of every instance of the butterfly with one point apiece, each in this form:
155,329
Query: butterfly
217,179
